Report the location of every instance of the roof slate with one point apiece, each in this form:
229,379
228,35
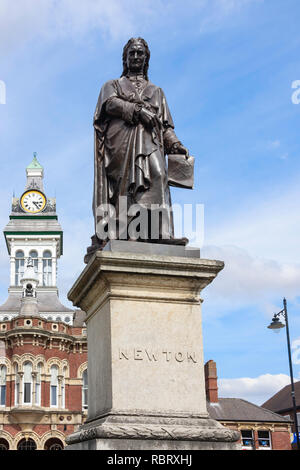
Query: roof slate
282,400
79,318
237,409
48,302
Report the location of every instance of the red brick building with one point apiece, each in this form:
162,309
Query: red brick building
260,429
43,345
282,404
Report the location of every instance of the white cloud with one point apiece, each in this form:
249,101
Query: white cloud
260,247
267,226
114,19
274,144
256,390
250,278
52,19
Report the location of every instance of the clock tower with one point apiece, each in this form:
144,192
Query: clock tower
33,232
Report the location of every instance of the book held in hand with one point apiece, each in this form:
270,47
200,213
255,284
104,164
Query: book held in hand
181,171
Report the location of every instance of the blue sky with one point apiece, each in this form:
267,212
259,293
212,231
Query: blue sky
227,68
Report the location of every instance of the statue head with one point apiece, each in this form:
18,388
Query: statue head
136,55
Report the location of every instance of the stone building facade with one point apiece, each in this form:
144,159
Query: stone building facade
43,345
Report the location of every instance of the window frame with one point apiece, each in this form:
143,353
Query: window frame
85,388
54,386
47,268
38,384
260,447
252,445
3,375
19,263
17,384
27,390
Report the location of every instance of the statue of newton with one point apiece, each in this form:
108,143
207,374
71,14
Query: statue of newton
134,132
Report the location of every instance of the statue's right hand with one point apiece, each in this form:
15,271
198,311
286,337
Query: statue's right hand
148,118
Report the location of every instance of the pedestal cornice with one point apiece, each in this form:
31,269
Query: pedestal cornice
123,274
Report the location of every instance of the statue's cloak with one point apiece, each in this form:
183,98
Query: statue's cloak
130,159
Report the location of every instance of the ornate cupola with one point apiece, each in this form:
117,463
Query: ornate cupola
34,232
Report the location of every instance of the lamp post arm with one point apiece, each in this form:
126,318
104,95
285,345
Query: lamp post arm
291,371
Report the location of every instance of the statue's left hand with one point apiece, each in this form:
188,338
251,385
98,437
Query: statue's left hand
181,149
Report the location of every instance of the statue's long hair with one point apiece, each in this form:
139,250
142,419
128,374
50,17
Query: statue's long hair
124,57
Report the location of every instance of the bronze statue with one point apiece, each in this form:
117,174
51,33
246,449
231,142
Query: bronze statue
134,131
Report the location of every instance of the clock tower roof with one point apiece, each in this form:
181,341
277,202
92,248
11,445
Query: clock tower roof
35,175
34,164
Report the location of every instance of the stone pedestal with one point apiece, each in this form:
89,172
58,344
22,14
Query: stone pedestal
145,353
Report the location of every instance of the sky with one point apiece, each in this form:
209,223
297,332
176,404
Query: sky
228,68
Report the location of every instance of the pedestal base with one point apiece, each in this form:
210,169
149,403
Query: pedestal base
145,352
153,433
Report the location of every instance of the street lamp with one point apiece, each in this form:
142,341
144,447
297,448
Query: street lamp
275,325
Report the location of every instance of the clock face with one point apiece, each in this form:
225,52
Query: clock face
33,201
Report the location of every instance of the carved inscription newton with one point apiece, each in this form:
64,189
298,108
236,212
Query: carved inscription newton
148,355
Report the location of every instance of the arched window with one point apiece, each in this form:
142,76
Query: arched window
27,390
17,384
54,386
54,444
2,385
34,255
4,445
47,268
20,266
38,384
28,444
85,390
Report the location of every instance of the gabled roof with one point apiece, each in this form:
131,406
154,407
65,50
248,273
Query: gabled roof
282,400
237,409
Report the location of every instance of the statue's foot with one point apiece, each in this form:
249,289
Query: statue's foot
95,246
164,241
173,241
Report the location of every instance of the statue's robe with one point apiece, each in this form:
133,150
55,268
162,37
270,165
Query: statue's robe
129,158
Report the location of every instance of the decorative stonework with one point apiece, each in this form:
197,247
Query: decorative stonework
81,369
206,430
159,432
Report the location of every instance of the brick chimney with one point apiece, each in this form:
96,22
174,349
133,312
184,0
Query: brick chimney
211,381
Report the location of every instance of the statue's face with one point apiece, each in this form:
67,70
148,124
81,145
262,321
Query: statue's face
136,57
